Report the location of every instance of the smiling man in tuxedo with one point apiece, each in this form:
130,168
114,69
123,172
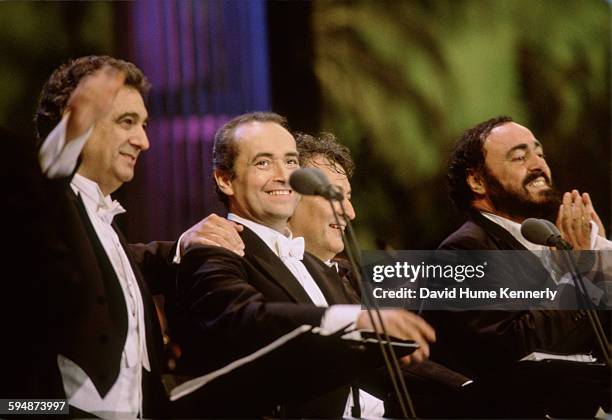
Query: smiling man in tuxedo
313,218
103,337
499,176
92,116
237,304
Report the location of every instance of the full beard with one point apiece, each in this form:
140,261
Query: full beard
520,204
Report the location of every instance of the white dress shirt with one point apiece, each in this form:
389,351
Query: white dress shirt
290,250
124,399
597,242
543,252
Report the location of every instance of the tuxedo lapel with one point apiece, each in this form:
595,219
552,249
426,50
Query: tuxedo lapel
531,268
350,284
327,279
500,236
105,321
260,254
116,300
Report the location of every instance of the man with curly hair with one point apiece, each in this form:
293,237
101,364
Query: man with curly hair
314,218
103,327
92,118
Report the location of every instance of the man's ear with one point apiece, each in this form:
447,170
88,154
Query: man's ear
224,181
476,182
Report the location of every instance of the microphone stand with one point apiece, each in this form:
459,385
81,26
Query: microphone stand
584,300
391,363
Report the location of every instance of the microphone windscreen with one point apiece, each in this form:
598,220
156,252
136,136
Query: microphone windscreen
308,181
552,226
537,231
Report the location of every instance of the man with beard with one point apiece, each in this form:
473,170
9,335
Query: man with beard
498,175
428,382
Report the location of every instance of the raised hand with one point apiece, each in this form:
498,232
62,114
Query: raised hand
586,199
574,219
92,99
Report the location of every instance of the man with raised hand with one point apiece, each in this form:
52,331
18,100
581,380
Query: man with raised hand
236,305
103,330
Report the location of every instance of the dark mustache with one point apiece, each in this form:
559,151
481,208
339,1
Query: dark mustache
534,175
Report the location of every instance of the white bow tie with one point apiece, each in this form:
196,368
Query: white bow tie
291,247
109,211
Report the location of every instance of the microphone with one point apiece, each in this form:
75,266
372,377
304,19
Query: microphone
543,232
311,181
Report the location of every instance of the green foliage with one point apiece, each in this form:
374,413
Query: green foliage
401,80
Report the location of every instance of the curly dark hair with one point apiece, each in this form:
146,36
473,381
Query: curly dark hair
64,80
326,145
469,155
225,150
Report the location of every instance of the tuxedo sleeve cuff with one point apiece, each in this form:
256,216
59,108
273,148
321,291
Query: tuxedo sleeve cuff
56,157
338,317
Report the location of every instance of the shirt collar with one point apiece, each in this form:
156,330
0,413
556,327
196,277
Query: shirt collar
331,264
270,236
514,229
92,195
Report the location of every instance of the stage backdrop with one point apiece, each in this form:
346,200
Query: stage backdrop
396,80
207,61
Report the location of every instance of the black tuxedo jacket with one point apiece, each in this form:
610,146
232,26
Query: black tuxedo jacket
76,303
68,299
232,306
89,314
477,342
